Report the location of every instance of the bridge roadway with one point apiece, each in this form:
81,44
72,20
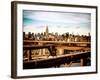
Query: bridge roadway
58,42
28,47
57,60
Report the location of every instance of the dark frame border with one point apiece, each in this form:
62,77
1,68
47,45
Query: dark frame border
14,37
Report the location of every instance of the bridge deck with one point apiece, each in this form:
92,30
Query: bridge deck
60,42
28,47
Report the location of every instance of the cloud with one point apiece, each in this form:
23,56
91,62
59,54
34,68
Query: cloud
57,21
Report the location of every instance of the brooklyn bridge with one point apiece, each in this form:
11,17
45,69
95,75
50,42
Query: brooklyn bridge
46,50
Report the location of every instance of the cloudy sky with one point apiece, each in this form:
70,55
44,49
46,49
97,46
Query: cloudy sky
61,22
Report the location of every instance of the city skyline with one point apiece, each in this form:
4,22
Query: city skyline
60,22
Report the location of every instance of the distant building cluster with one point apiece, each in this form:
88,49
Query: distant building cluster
46,36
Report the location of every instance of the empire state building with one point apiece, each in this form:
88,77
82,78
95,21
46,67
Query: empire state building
47,31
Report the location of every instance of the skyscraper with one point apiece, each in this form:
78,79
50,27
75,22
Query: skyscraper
47,31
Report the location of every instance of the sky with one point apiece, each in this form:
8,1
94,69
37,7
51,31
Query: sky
61,22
